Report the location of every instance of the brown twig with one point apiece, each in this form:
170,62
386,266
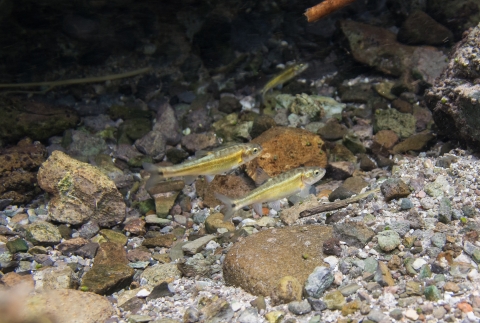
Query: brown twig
325,8
337,205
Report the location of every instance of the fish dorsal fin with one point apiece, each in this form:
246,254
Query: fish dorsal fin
202,153
260,176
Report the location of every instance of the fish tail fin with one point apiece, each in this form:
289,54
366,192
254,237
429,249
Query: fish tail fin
230,206
156,175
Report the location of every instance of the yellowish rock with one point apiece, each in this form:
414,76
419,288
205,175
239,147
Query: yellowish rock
215,222
351,307
288,289
334,300
274,317
114,236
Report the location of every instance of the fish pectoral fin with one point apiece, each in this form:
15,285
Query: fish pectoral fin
275,205
258,208
305,191
260,176
229,203
202,153
155,176
209,178
189,179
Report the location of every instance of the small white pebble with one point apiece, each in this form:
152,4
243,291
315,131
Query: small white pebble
418,263
236,306
411,314
143,293
331,260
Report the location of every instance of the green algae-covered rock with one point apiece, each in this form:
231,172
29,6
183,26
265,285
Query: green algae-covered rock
106,279
432,293
114,236
81,192
43,233
17,245
388,240
36,120
403,124
133,129
334,300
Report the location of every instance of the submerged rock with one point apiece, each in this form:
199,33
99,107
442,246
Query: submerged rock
18,167
33,119
290,251
403,124
80,192
414,27
305,149
378,48
55,303
454,99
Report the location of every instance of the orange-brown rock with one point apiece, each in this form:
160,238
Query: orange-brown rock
258,262
383,141
18,167
13,279
286,148
229,185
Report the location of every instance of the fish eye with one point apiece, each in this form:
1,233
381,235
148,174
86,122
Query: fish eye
316,172
255,150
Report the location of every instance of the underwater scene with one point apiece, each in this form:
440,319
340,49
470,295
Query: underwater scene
184,161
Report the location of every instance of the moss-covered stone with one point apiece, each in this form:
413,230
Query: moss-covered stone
145,206
432,293
126,112
334,300
114,236
43,233
33,119
133,129
17,245
403,124
106,279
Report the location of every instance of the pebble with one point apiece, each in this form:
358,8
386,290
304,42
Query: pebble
376,315
411,314
195,246
406,204
249,315
388,240
300,307
418,263
318,281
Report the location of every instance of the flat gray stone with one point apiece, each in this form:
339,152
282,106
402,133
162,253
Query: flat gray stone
192,247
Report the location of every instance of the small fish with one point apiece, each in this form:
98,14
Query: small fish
294,181
287,74
209,164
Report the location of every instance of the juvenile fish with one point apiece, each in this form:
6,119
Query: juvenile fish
287,74
294,181
209,164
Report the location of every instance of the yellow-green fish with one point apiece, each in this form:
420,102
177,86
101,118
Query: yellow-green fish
287,74
294,181
207,163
